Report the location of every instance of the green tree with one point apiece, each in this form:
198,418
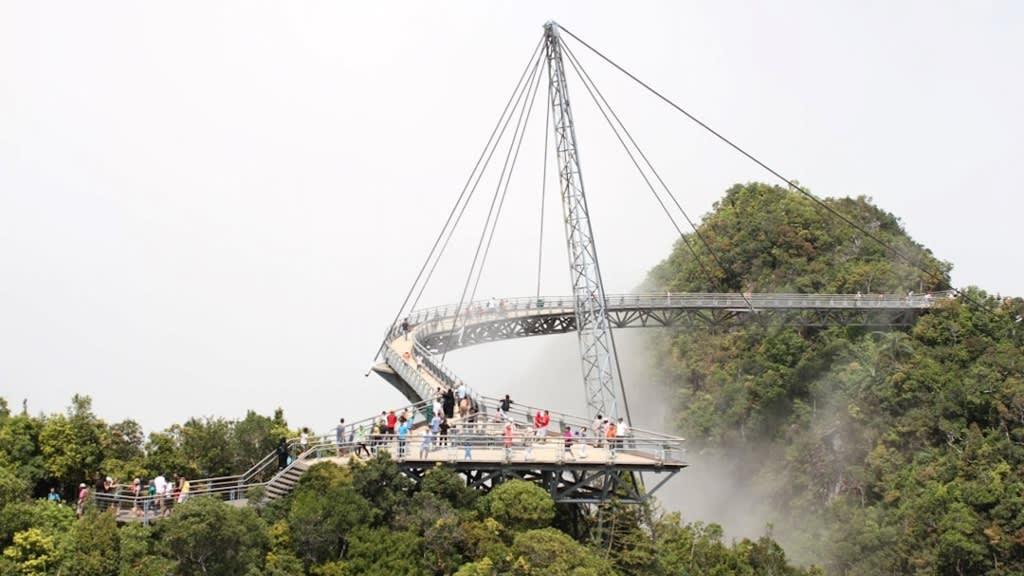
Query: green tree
71,444
325,508
94,546
254,437
19,446
207,445
33,552
12,487
207,536
164,454
520,505
445,483
22,515
384,552
380,482
139,555
549,552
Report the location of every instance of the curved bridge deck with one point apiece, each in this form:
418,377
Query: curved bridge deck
410,366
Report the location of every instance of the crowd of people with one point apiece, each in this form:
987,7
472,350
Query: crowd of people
452,420
157,494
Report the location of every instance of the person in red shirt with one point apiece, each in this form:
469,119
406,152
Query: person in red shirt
545,420
392,420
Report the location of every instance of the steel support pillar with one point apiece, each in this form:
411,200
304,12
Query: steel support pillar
588,291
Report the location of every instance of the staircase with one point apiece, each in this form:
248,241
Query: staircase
284,481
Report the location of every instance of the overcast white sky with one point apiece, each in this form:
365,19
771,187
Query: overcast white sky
213,206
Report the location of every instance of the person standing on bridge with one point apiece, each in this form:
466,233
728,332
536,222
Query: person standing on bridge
610,435
507,436
184,490
339,436
375,434
403,433
436,407
405,328
435,425
621,432
467,441
390,423
160,487
282,459
543,420
428,440
83,498
505,406
448,403
444,427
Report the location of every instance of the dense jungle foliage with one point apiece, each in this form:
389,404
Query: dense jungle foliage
364,520
882,451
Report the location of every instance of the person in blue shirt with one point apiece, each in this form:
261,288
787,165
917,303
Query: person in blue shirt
403,432
53,496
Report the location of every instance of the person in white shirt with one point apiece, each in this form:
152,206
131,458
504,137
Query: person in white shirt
161,485
621,431
595,429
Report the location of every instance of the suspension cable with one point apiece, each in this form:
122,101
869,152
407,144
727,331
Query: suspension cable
518,143
643,174
503,122
451,213
490,213
835,213
543,189
589,83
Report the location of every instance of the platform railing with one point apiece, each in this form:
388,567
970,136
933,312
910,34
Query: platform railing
524,414
479,442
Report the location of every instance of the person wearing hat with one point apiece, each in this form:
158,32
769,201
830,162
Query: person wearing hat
83,496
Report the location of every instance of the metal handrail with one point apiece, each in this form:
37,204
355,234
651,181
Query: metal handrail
738,300
408,373
520,447
527,411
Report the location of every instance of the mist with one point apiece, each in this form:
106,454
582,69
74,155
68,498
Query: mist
545,372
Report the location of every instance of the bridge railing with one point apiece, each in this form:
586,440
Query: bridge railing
524,445
499,308
406,372
468,442
524,413
146,507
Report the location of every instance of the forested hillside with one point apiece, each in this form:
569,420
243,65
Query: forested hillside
882,452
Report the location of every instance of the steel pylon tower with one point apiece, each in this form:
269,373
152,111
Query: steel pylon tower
596,348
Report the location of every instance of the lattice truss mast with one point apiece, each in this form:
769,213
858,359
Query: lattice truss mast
597,351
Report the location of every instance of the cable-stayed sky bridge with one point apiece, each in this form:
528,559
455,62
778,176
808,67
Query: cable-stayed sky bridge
574,457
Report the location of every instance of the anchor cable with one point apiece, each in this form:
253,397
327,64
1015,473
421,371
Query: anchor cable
643,174
835,213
